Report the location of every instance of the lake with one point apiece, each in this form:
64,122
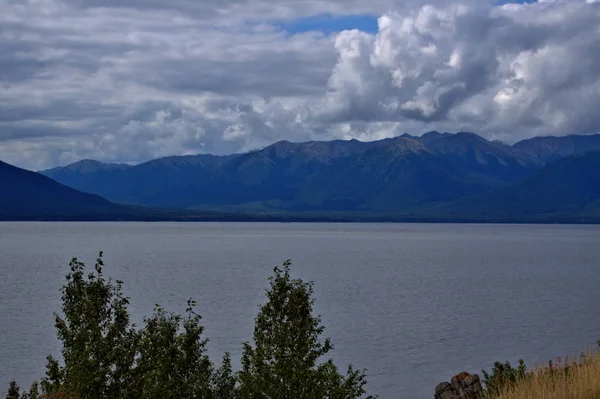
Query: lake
414,304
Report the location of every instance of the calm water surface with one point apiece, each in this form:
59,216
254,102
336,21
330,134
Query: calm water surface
414,304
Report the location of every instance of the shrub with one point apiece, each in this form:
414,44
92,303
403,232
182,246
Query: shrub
502,375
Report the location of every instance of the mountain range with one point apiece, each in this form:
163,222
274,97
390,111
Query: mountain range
433,177
32,196
27,195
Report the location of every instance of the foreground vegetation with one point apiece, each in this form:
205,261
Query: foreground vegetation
105,356
575,378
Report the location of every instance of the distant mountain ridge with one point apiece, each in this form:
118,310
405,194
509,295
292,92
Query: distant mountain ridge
551,148
434,177
90,166
29,195
567,188
401,175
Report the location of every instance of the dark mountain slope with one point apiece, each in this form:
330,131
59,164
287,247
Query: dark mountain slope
313,174
396,176
181,182
167,182
438,176
277,172
548,149
87,175
177,177
29,195
430,136
483,160
569,187
87,166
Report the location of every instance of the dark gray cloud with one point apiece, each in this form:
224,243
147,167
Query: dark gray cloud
266,76
132,80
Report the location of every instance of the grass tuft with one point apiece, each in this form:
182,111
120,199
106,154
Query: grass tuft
571,378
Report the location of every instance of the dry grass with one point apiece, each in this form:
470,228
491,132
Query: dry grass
565,380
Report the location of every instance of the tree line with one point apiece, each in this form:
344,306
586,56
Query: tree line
105,356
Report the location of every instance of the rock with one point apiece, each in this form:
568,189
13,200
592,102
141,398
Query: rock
444,391
461,386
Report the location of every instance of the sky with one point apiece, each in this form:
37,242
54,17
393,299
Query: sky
133,80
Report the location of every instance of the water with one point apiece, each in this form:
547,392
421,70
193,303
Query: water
412,303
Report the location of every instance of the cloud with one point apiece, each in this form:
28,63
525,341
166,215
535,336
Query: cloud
132,80
517,69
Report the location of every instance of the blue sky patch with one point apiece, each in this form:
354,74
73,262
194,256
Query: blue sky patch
327,23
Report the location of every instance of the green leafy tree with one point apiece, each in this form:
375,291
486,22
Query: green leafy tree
34,392
52,382
99,343
104,356
225,381
172,361
13,391
284,361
